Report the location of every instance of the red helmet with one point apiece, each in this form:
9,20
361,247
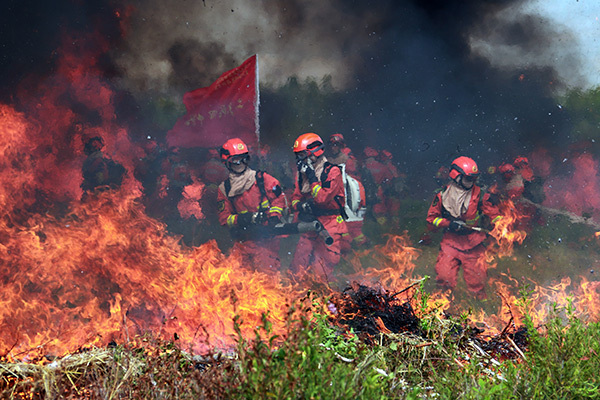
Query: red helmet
523,164
385,155
463,166
309,142
233,147
521,161
370,152
338,139
506,169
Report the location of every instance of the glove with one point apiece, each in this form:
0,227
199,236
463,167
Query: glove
304,207
300,165
272,221
456,226
258,217
310,174
307,169
244,219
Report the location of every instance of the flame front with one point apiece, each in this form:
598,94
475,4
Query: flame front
107,270
77,272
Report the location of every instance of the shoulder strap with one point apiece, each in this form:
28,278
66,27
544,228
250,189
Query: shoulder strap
225,187
260,181
338,199
326,168
227,184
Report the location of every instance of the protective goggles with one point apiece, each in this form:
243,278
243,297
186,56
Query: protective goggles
469,179
302,155
239,159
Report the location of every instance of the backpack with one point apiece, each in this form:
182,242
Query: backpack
353,198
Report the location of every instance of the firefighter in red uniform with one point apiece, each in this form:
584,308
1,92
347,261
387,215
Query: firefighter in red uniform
318,194
392,186
249,201
382,180
99,171
516,178
338,153
458,208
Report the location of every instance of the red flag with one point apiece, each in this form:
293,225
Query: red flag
226,109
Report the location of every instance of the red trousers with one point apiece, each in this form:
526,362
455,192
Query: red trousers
260,255
311,250
354,236
472,261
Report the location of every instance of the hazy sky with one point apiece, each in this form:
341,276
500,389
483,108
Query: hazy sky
583,18
573,51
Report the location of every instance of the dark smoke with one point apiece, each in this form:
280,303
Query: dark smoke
405,73
189,59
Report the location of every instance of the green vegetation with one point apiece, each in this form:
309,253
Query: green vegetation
318,359
584,111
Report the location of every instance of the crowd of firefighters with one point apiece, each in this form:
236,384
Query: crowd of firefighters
324,196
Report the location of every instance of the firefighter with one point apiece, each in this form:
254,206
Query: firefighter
393,185
99,171
338,153
248,201
512,183
213,172
382,183
514,177
458,208
372,169
318,194
519,183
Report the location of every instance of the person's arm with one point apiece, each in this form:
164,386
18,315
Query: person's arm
227,215
434,214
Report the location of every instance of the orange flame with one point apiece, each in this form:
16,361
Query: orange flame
77,273
505,232
108,270
396,262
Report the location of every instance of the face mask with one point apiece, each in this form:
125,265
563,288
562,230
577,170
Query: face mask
238,164
467,182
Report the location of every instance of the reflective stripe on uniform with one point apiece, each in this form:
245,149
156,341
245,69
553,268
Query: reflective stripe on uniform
231,220
264,204
437,221
474,220
340,219
499,217
359,238
277,210
315,190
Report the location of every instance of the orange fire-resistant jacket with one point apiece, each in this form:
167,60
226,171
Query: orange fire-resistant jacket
251,201
323,193
480,204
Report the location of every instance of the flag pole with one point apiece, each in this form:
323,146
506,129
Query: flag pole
256,111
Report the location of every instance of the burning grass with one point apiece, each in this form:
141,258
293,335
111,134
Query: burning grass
325,352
